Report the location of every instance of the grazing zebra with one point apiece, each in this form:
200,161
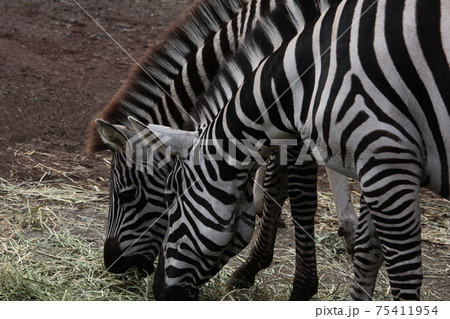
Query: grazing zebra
366,87
162,90
305,282
137,223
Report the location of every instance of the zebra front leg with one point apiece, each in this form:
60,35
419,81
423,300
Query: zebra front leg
368,257
261,255
348,221
303,199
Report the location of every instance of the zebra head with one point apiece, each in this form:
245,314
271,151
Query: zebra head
207,225
137,221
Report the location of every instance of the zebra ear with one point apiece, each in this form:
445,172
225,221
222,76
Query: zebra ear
177,142
137,125
113,135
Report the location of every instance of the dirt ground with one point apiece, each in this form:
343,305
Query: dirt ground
57,69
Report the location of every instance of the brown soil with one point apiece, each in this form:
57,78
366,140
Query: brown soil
58,68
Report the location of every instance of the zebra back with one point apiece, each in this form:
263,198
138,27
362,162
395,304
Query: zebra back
136,222
380,120
288,19
282,25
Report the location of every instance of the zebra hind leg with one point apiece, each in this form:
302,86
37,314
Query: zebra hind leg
348,222
391,193
261,255
368,257
259,193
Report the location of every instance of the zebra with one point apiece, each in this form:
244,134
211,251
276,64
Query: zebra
305,282
374,105
158,93
136,199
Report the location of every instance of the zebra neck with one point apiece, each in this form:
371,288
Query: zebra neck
148,93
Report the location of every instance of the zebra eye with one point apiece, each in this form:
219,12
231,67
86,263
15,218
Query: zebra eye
127,196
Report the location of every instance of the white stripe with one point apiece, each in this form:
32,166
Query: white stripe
151,87
445,29
290,68
187,83
217,47
201,68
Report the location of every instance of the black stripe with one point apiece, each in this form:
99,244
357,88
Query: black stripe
370,65
234,26
194,78
309,11
210,62
373,162
326,30
357,121
174,111
358,89
405,67
386,173
370,138
341,48
183,94
304,61
264,7
279,79
224,43
429,32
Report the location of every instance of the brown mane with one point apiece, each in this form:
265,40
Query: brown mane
177,38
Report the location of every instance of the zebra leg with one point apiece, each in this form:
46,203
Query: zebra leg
346,212
368,257
391,191
261,255
260,196
303,199
258,192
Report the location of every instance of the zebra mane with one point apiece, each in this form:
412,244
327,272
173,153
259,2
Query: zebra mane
324,5
161,64
282,24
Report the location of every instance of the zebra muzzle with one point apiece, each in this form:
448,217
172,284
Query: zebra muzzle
118,263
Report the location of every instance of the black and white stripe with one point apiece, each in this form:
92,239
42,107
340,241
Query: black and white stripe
163,90
368,86
127,245
123,240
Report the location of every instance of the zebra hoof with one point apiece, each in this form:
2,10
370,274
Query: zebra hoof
240,279
348,231
176,293
302,296
306,292
281,223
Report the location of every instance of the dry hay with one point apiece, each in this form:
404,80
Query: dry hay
50,236
51,249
